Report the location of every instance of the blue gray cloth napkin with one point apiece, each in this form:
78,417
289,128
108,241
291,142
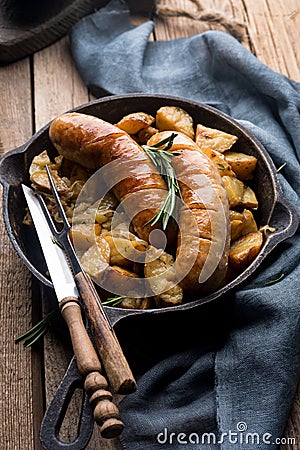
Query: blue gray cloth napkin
228,371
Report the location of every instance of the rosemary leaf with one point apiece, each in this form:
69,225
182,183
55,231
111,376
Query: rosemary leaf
221,166
162,159
268,283
30,336
29,342
281,167
113,301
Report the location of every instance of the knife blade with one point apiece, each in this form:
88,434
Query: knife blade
59,269
106,414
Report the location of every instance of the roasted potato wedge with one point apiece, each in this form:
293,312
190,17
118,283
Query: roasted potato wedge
136,303
39,162
39,177
249,199
172,118
250,224
122,250
209,138
243,165
220,162
83,235
95,260
116,276
237,224
244,250
169,293
146,133
241,223
234,189
135,122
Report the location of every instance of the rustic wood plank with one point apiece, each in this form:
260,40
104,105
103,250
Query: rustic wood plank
15,281
180,18
269,26
57,84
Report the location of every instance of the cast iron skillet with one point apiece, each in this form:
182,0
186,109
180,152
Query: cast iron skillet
274,210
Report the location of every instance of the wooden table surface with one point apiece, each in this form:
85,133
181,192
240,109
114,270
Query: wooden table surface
35,90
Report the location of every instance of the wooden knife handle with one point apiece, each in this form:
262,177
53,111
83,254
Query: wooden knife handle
111,354
106,413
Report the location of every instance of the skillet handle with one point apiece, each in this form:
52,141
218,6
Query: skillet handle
285,219
55,413
53,418
12,165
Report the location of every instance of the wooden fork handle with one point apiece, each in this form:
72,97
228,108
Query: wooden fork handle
113,359
106,413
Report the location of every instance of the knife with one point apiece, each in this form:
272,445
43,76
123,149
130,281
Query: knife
106,413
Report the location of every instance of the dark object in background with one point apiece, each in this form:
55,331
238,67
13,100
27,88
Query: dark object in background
27,26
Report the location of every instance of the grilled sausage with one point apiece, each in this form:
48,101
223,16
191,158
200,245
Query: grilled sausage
204,227
93,143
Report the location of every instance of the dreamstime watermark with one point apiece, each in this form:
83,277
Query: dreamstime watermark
240,436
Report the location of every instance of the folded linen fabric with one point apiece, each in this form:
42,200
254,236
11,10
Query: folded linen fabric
228,371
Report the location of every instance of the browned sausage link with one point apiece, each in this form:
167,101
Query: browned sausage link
204,219
93,143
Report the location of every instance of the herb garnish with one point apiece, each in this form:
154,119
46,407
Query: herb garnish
221,166
268,283
161,158
281,167
36,332
113,301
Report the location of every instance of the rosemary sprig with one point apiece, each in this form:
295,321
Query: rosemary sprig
113,301
281,167
36,332
162,158
269,283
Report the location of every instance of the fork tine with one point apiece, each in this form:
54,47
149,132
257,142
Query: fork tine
47,215
57,200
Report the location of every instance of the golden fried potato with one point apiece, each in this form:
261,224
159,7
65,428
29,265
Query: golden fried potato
250,224
122,250
136,303
172,118
209,138
241,223
39,177
83,235
118,277
243,165
249,199
168,292
95,260
220,162
39,162
237,224
146,133
41,181
244,250
234,189
135,122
